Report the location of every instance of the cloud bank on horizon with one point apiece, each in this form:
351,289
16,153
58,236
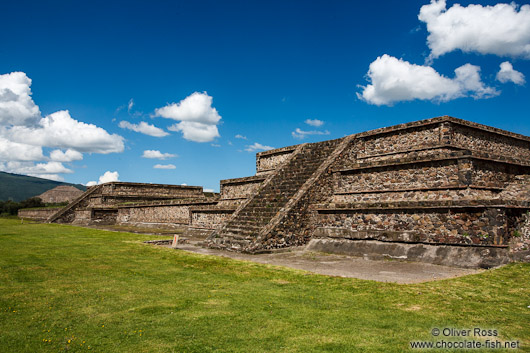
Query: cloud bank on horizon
502,30
24,132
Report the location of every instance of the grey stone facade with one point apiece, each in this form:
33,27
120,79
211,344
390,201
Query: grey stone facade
438,182
429,190
136,203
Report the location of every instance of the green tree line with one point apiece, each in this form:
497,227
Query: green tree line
11,207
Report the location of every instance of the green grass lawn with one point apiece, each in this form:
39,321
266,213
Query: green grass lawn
64,288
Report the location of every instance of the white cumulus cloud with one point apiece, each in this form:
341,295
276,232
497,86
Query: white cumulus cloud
60,130
155,154
197,118
144,128
503,29
14,151
239,136
24,132
16,105
258,147
197,132
314,122
164,166
301,134
107,177
393,80
67,156
508,74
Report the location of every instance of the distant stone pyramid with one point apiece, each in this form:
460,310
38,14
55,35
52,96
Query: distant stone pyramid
62,193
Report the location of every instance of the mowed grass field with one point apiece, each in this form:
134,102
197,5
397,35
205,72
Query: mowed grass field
64,288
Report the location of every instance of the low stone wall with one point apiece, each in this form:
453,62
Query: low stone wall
388,143
38,214
240,188
437,133
394,141
154,214
209,218
460,256
434,225
171,213
510,146
230,203
415,153
270,160
82,216
104,216
108,200
492,174
441,194
151,190
424,175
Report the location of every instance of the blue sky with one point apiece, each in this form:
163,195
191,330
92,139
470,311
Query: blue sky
190,76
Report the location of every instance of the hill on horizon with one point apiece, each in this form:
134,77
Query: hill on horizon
21,187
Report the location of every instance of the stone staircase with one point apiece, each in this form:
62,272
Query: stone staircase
244,228
68,211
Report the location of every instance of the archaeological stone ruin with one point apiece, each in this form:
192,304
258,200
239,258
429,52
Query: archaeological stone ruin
442,190
59,194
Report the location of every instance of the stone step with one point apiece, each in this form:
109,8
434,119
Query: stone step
269,200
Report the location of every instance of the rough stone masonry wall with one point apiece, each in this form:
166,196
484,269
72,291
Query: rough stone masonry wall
453,178
233,193
440,133
104,216
82,216
150,190
209,219
240,188
154,214
488,174
38,214
471,226
116,193
270,160
426,180
418,154
390,145
425,136
459,194
412,176
407,202
491,143
519,229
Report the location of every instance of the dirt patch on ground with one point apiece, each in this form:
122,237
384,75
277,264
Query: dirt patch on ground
322,263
